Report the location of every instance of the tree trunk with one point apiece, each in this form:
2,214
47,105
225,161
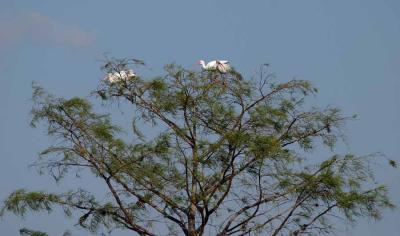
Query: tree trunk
192,220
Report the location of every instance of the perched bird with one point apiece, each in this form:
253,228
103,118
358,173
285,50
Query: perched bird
119,76
219,65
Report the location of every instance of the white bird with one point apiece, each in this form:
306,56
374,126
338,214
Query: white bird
220,65
119,76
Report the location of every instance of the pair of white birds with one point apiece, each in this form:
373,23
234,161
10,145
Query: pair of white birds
119,76
217,65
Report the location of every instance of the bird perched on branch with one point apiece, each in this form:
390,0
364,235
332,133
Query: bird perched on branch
218,65
119,76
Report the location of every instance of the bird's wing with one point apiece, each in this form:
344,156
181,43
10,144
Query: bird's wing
212,64
222,68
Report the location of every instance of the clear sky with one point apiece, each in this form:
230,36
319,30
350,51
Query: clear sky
349,49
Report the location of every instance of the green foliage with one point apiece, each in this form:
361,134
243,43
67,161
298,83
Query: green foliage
28,232
393,163
264,146
20,201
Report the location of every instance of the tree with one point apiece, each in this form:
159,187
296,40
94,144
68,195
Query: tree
233,156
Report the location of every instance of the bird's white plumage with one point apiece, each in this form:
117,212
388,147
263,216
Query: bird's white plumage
119,76
220,65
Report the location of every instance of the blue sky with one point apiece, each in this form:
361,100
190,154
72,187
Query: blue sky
349,49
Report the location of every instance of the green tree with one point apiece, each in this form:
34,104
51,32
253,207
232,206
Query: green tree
29,232
232,157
